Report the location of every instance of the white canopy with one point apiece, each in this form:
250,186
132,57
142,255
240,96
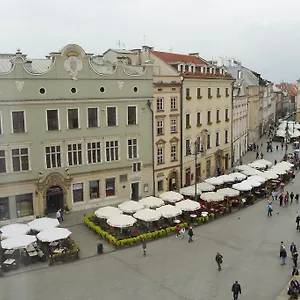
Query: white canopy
148,215
251,171
260,164
151,202
252,183
226,178
53,234
190,190
237,176
121,221
229,192
169,211
130,207
188,205
18,241
214,181
43,223
242,186
205,187
270,174
284,165
258,178
171,197
13,230
212,196
242,167
107,212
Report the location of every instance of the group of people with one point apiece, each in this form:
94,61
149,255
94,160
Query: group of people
284,199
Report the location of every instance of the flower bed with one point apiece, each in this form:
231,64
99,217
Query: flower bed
88,220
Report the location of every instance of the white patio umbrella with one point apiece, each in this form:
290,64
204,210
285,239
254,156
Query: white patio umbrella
237,176
212,196
228,192
260,164
278,171
250,171
130,206
188,205
171,197
190,190
13,230
107,212
226,178
54,234
257,178
148,215
169,211
151,202
214,181
242,186
205,187
43,223
284,165
18,241
242,167
121,221
253,183
270,174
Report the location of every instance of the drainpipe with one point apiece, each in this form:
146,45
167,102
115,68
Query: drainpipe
231,118
181,132
153,148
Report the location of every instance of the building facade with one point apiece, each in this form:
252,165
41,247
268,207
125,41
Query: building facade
75,130
278,95
269,106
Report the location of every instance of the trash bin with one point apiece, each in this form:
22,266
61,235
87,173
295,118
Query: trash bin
100,248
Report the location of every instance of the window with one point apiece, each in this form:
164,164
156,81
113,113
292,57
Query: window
112,150
218,115
208,142
187,147
94,152
160,127
209,93
4,209
226,136
160,104
198,118
77,192
53,156
73,118
52,119
226,114
160,185
18,121
20,159
187,92
187,121
111,115
123,178
217,138
209,116
1,128
173,152
94,189
132,148
173,103
199,144
239,74
93,119
173,125
131,115
227,92
137,167
218,92
75,154
160,155
24,205
110,188
2,163
198,92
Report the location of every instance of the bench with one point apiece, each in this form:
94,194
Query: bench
283,295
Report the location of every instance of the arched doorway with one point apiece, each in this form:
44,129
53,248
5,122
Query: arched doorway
172,181
54,199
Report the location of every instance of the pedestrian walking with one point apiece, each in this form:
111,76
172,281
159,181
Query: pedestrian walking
261,155
274,195
295,271
190,234
293,248
297,198
144,247
297,222
282,254
275,162
61,214
236,290
293,178
219,260
280,200
277,147
292,196
58,216
295,258
286,200
270,209
257,155
178,228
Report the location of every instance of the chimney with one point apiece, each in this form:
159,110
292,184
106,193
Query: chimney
146,51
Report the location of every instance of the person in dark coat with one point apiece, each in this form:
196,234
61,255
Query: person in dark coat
295,258
297,198
297,222
282,254
292,196
295,271
190,234
293,248
219,260
236,290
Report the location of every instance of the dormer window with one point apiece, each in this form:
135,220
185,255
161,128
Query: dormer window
181,68
239,74
192,69
214,70
221,71
186,68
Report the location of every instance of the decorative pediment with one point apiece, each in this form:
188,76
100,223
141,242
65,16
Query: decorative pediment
174,140
160,142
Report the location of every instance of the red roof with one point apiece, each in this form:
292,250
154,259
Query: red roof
174,57
290,88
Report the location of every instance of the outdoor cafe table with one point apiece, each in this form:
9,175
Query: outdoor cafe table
9,252
33,253
58,251
9,261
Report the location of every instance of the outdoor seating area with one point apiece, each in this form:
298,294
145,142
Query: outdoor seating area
38,241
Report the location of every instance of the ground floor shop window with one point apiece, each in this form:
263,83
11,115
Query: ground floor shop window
4,209
24,205
110,187
160,185
94,189
77,192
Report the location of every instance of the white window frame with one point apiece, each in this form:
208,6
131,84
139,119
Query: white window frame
190,121
172,152
162,127
208,135
162,104
162,155
47,118
218,115
87,117
83,199
6,160
187,153
173,100
82,153
226,131
136,115
210,116
11,158
137,163
87,151
117,119
78,111
1,123
217,134
173,126
198,113
228,117
119,150
61,155
137,148
12,123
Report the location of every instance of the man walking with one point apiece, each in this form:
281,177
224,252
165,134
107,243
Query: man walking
236,290
282,254
190,233
270,209
298,221
292,197
219,260
144,246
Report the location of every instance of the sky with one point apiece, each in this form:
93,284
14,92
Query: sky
263,34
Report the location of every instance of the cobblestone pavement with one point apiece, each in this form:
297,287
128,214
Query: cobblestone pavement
175,269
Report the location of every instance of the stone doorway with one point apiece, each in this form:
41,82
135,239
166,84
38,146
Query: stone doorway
54,199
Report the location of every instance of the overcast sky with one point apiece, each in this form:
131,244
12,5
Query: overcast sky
263,34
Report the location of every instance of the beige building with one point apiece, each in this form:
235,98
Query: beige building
298,103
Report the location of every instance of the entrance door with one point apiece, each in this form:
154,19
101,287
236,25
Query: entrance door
135,191
54,199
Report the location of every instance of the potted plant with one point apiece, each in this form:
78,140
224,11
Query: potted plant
188,126
199,125
188,98
227,120
209,123
199,97
209,97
